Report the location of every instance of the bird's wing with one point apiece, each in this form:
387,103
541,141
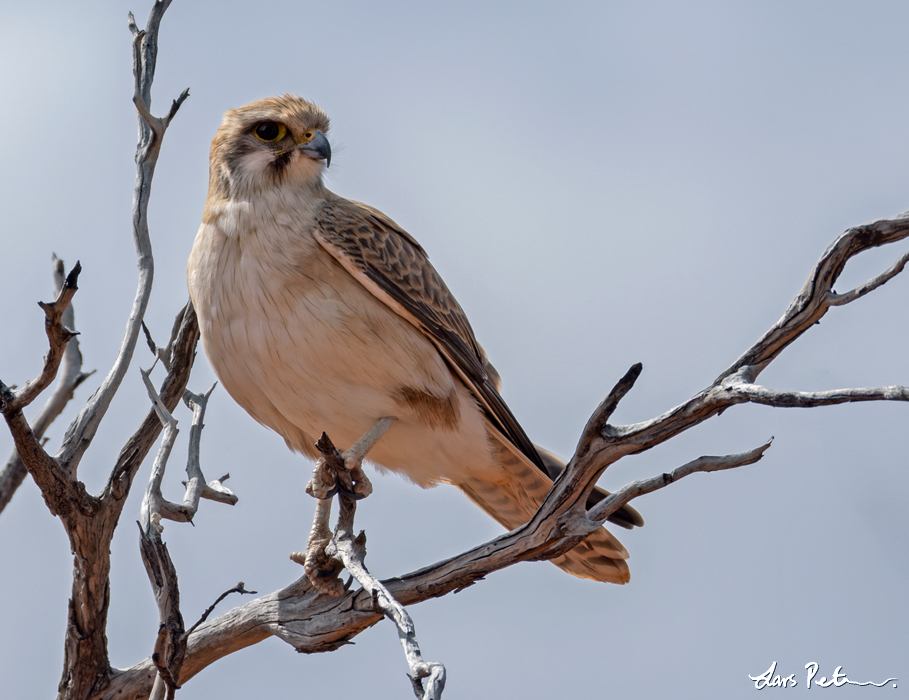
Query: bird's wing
390,263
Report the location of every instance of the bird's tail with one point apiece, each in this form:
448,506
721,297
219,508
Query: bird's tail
514,497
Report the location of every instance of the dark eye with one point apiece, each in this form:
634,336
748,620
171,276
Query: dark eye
269,131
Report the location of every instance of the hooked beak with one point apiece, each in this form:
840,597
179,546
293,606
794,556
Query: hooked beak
318,148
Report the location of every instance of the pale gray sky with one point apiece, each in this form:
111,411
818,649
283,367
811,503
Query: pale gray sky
600,183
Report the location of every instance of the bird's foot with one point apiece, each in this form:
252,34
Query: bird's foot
362,486
336,473
321,569
323,483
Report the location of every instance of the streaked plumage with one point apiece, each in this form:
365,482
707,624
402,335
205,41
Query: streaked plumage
320,313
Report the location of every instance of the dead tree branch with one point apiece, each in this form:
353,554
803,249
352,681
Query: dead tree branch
343,474
170,645
90,521
151,134
316,623
736,384
69,377
60,493
58,336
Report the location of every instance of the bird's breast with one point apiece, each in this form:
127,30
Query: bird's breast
305,348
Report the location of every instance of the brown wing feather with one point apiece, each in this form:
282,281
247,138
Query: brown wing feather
366,240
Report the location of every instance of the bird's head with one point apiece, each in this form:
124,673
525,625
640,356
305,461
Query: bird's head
268,143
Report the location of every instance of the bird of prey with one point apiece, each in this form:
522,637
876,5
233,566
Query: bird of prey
319,313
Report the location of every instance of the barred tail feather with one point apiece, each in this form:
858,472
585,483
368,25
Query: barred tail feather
513,498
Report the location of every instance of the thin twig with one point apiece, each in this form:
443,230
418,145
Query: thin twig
835,299
239,588
602,510
351,553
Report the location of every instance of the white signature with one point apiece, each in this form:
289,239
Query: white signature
771,679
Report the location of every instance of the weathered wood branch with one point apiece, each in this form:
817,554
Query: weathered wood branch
91,527
151,132
89,521
342,474
835,299
196,486
756,393
239,588
58,336
736,384
57,488
173,386
817,296
150,514
602,510
170,644
352,551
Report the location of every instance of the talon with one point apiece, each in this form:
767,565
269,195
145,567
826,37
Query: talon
354,495
321,570
363,487
333,491
323,483
361,483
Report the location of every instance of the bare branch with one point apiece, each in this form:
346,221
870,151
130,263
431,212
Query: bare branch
732,386
172,388
810,399
336,473
58,335
325,554
604,411
60,492
70,376
11,477
352,552
170,643
602,510
170,646
239,588
216,491
150,514
151,133
174,106
815,298
196,484
835,299
196,488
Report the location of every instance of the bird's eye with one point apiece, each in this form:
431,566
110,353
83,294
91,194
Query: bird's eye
270,131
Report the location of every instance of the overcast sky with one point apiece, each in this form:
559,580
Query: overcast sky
600,183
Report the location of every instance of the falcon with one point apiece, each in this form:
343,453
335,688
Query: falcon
319,313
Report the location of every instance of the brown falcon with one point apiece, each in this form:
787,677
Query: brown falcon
319,313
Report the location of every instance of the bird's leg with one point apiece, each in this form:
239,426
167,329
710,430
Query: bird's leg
320,569
353,458
336,473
